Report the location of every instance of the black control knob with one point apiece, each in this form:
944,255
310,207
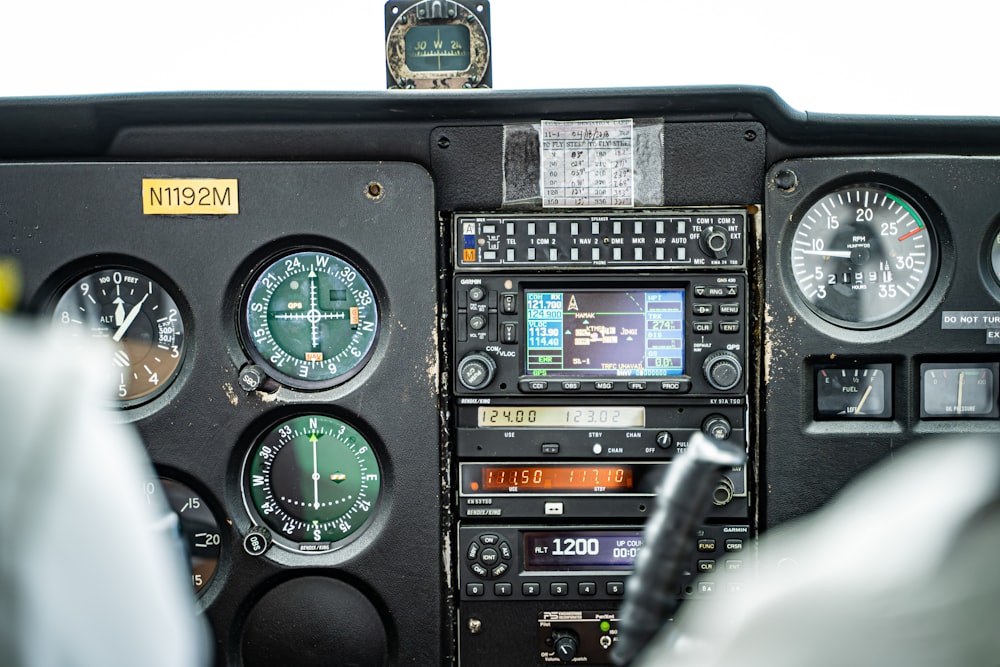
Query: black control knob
565,645
715,242
723,369
717,426
476,370
664,439
257,540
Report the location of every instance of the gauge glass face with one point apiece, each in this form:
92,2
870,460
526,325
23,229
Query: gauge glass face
958,391
311,319
854,392
140,319
437,48
863,257
198,528
314,481
995,257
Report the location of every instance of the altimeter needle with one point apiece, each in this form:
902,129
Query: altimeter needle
132,314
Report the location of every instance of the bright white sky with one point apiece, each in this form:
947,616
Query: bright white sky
849,56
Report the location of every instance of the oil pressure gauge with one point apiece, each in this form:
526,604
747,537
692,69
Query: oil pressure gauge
959,390
863,256
310,318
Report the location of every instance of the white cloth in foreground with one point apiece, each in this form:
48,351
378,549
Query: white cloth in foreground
88,575
900,570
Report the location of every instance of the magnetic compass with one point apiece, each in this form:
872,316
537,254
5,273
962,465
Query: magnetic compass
437,44
310,319
139,317
313,480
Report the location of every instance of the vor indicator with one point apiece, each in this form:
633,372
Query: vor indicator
311,319
313,481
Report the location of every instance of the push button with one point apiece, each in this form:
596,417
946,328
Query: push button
475,589
559,589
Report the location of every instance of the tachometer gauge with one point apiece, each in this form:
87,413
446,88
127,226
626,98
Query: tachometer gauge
313,480
139,317
311,319
863,257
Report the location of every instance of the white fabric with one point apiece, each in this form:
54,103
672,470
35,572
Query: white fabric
86,576
899,570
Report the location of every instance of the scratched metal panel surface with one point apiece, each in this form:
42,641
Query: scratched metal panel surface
61,220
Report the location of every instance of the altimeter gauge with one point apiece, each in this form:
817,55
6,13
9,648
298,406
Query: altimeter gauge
311,319
313,480
138,317
863,256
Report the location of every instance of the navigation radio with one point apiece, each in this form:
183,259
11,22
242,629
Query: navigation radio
587,350
577,335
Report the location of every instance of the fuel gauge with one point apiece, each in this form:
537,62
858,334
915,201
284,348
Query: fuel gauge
959,391
857,391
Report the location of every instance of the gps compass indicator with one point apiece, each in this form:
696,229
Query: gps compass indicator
310,319
313,480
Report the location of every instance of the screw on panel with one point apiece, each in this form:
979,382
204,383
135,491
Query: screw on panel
374,191
749,135
444,142
786,180
475,625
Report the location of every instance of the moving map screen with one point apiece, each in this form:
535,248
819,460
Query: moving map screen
605,333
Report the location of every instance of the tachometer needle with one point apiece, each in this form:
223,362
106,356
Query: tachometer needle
909,234
132,314
846,254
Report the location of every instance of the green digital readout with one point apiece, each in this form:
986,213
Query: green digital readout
437,48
